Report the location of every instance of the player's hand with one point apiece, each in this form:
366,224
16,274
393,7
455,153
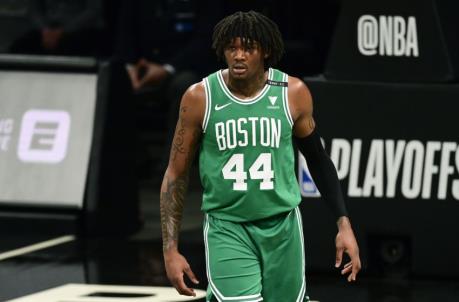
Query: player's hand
346,243
176,267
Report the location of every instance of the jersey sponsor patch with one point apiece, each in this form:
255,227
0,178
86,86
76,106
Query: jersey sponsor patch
277,83
272,99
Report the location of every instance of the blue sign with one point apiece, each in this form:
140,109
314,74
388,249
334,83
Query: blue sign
307,186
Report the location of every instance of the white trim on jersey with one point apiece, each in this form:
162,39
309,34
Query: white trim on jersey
286,106
234,98
303,285
208,105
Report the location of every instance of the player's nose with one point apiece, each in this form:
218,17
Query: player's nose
239,54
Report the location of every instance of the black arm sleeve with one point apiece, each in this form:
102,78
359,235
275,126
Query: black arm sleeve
323,172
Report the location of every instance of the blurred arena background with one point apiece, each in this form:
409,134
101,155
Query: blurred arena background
89,94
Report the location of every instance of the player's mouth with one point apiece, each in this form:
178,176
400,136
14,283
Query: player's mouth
239,69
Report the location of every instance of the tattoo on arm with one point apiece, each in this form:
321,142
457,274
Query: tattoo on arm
174,189
171,203
177,144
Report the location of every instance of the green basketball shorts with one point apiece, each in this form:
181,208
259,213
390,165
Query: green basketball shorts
261,260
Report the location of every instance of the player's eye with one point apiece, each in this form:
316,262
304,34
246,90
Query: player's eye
250,48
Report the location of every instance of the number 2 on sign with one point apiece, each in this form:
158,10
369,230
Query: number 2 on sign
260,169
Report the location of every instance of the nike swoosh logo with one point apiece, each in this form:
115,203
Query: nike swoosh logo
220,107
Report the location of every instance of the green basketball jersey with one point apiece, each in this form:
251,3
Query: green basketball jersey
246,157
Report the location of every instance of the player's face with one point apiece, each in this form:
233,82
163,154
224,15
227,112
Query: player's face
244,62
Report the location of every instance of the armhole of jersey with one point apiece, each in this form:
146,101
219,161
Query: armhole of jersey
286,106
208,105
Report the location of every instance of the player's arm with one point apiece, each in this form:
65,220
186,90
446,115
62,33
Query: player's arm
308,142
323,172
175,182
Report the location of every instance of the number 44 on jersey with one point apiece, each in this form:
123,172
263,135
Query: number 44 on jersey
261,169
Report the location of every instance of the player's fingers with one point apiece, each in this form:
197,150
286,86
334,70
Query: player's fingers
350,278
191,275
181,287
339,256
355,269
347,269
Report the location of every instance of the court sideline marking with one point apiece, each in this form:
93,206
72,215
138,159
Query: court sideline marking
37,246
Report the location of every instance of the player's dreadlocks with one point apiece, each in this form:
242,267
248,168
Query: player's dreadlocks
249,26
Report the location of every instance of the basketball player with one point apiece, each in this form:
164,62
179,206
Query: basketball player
242,120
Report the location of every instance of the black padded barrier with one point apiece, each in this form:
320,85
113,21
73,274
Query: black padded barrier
396,150
395,41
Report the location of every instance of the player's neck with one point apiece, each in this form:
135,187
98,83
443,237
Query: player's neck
247,88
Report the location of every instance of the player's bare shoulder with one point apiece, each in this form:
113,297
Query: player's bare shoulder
195,94
194,102
299,97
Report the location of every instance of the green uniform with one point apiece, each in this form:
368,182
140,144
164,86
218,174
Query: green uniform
253,227
246,158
